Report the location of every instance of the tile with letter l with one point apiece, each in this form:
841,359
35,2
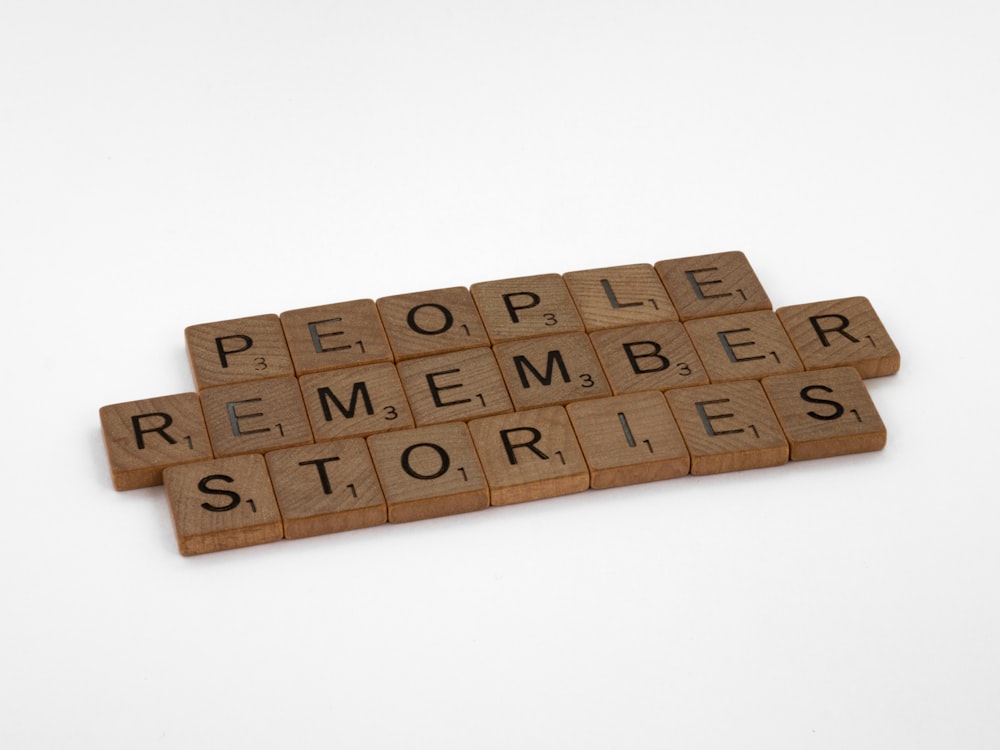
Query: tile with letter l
648,357
255,417
619,296
825,413
431,322
327,337
841,332
326,488
529,455
629,439
526,306
355,401
715,284
222,504
728,427
238,350
454,386
142,438
743,346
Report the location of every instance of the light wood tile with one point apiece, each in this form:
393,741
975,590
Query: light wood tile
652,356
714,284
238,351
432,322
743,346
526,306
619,296
327,337
355,401
454,386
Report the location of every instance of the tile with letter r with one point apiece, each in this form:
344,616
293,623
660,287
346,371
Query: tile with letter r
431,322
355,401
743,346
429,471
701,286
526,306
728,427
619,296
327,337
629,439
841,332
222,504
326,488
825,413
648,357
529,455
238,350
142,438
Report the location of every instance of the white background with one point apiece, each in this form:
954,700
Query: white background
166,164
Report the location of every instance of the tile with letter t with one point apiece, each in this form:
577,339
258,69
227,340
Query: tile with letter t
825,413
222,504
327,337
454,386
619,296
743,346
715,284
355,401
526,306
326,488
728,427
238,350
649,357
431,322
144,437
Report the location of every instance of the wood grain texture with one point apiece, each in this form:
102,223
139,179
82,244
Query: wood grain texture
526,306
327,337
743,346
238,351
619,296
432,322
355,401
652,356
714,284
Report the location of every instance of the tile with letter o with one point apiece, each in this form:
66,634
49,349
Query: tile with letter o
431,322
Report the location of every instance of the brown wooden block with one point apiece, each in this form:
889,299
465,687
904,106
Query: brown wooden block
355,401
530,455
629,439
526,306
619,296
743,346
651,356
825,413
142,438
551,370
238,350
222,504
841,333
255,417
458,386
326,488
327,337
715,284
728,427
429,471
432,322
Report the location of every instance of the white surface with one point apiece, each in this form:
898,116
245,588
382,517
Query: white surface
164,164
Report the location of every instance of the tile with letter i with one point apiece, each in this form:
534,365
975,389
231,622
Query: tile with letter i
432,322
715,284
238,350
619,296
454,386
647,357
327,337
222,504
743,346
526,306
825,413
355,401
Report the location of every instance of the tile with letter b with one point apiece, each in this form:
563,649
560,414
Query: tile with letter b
825,413
629,439
238,350
355,401
222,504
326,488
715,284
431,322
529,455
728,427
619,296
525,307
142,438
429,471
327,337
648,357
743,346
454,386
841,332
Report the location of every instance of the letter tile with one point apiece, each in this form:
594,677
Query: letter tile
237,351
432,322
327,337
714,284
619,296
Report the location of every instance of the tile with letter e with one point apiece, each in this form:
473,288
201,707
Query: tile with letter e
728,427
238,350
326,488
326,337
648,357
355,401
715,284
529,455
222,504
255,417
431,322
551,370
526,306
429,471
841,332
629,439
743,346
142,438
454,386
619,296
825,413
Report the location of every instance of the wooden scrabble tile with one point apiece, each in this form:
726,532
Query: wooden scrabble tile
432,322
529,455
526,306
429,471
651,356
326,337
326,488
222,504
355,401
238,350
743,346
142,438
825,413
255,417
728,427
715,284
629,439
841,332
454,386
551,370
619,296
